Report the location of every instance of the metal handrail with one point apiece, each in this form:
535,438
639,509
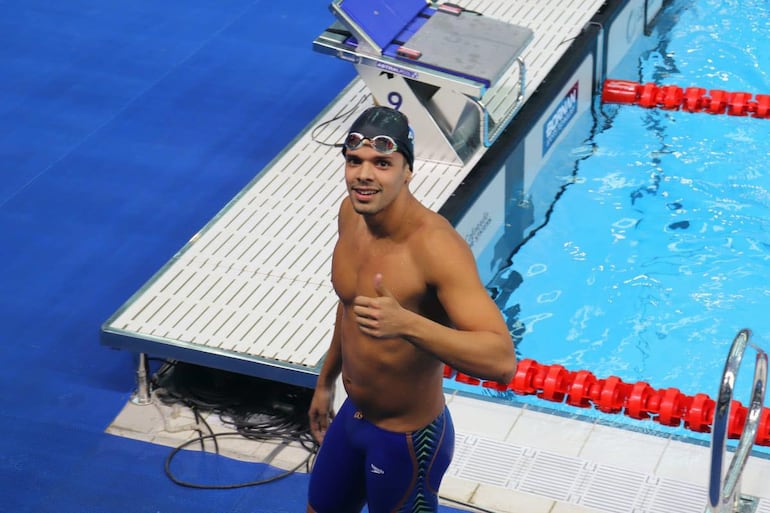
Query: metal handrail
724,495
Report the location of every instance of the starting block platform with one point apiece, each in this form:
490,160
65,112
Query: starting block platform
251,291
457,74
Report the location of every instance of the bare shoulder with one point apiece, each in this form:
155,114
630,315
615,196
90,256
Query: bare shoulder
442,249
449,266
345,214
437,230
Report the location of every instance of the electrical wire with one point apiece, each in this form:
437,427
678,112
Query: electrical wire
271,479
341,115
232,397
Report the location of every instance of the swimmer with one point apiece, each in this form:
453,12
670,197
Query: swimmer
410,302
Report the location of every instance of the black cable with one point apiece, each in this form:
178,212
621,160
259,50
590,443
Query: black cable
180,482
255,410
272,427
343,114
199,419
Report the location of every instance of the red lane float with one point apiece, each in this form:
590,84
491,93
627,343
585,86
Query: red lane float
691,99
640,401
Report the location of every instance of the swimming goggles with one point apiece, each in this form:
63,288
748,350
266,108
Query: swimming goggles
382,143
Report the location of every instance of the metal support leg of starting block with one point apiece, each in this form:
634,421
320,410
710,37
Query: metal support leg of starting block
142,395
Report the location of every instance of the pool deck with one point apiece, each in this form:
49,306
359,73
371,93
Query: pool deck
512,459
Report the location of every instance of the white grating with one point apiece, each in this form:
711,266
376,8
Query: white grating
614,489
254,283
670,491
574,480
551,475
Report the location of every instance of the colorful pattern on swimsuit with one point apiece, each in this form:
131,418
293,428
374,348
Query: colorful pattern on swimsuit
424,444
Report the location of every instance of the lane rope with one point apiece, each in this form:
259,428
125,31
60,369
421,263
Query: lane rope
690,99
640,401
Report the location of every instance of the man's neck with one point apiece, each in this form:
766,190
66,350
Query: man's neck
394,222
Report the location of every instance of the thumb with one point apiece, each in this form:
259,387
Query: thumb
379,287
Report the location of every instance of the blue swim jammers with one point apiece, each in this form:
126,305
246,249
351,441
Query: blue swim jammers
360,463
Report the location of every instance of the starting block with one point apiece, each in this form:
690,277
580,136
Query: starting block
457,75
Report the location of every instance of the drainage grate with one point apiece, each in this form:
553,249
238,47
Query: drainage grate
574,480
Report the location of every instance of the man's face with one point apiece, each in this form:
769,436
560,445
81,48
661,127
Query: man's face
374,179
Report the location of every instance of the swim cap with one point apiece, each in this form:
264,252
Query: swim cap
381,120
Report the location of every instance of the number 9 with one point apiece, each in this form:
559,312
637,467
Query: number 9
395,100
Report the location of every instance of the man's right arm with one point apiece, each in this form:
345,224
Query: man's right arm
321,407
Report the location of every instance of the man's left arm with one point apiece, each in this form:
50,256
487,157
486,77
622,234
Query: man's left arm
478,342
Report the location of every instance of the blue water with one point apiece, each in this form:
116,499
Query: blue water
658,251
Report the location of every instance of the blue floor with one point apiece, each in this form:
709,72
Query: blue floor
124,127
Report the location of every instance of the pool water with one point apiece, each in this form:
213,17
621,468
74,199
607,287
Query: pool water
658,251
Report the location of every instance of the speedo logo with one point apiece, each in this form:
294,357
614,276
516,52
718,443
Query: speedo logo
375,470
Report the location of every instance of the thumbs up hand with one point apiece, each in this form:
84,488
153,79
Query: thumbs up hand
380,316
379,287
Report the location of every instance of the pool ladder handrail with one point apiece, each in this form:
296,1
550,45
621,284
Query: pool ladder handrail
724,494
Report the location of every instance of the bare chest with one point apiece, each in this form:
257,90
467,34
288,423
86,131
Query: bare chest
355,265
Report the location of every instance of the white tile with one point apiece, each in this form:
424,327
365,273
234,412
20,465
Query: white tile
263,452
623,448
290,456
502,500
141,420
756,478
564,507
543,431
236,447
685,462
457,489
176,439
483,418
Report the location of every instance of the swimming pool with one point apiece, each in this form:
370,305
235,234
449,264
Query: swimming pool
653,257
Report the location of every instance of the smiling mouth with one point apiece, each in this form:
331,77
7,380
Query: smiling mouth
365,192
